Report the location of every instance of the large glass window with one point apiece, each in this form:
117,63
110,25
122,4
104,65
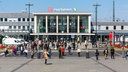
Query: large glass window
62,24
51,24
41,24
72,24
83,24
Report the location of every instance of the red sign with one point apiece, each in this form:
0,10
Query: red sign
110,36
50,9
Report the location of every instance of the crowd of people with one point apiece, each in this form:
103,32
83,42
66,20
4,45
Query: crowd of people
44,49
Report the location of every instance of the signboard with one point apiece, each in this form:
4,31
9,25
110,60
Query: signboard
112,38
50,9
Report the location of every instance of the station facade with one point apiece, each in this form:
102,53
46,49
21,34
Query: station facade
69,26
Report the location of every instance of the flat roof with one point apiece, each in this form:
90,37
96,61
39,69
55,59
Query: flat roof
62,13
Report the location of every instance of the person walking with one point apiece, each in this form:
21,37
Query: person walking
78,52
69,50
45,56
32,54
49,53
105,52
60,52
97,54
126,54
86,44
112,53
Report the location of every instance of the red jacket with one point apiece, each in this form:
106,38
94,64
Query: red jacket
63,49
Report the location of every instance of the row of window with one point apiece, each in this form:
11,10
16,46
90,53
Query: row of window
16,19
62,23
20,27
107,28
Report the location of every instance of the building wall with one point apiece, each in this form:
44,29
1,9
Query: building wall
125,27
12,23
118,27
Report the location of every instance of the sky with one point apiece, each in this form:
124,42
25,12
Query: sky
105,11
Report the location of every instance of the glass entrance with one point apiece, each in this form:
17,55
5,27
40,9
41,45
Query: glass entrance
52,38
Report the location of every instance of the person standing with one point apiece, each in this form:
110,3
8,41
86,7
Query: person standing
112,53
6,51
97,54
78,52
86,44
69,50
21,50
63,51
60,52
26,52
45,56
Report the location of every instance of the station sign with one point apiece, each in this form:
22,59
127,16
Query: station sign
50,9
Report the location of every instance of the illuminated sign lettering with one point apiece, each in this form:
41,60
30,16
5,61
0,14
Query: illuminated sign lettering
50,9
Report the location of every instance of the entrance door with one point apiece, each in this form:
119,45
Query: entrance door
52,38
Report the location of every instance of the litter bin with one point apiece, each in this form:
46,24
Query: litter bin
87,54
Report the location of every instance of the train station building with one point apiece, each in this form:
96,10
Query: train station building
69,26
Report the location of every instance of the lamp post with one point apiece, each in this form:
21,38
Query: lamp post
113,10
96,6
29,5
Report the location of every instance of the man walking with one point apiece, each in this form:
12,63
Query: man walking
112,53
97,54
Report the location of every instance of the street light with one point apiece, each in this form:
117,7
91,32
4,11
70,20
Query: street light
29,5
113,10
96,6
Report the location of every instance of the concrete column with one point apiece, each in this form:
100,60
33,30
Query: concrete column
35,24
89,24
56,24
78,24
46,24
67,24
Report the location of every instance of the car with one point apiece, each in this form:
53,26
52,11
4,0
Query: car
22,41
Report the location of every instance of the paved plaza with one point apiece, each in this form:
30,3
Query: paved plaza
70,63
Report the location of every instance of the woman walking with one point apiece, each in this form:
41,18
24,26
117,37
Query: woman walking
105,53
45,56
